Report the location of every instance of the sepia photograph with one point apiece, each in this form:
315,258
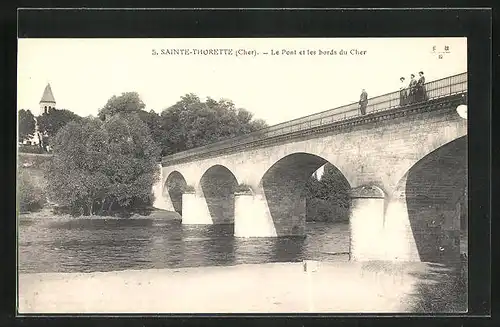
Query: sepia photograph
242,175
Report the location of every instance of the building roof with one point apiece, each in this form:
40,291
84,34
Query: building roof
47,95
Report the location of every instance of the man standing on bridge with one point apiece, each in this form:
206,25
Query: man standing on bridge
363,101
402,92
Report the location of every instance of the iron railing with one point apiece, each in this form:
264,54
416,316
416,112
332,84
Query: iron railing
452,85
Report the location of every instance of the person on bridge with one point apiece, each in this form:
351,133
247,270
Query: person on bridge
402,92
421,94
363,101
413,89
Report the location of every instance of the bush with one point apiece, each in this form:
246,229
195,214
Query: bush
188,189
243,189
31,196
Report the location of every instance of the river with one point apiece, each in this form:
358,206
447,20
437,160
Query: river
91,245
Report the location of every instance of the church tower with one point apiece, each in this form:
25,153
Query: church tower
47,102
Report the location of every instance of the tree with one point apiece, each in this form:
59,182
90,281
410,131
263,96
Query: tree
131,103
153,121
127,102
51,122
192,123
100,167
332,186
27,124
333,190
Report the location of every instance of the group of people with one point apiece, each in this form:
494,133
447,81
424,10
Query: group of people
412,92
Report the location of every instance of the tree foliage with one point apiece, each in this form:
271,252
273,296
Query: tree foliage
31,196
175,184
55,119
187,124
131,103
332,188
26,124
100,167
192,123
127,102
153,121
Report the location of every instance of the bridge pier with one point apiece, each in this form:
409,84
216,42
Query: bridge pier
252,217
195,210
366,223
399,237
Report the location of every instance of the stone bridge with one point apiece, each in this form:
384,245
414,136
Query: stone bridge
406,166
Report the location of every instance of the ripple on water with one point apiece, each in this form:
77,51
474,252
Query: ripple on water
86,245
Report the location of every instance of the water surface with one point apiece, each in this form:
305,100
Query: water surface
88,245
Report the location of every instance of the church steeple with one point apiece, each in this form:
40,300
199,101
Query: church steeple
47,102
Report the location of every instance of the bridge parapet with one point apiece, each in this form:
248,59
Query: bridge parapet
438,92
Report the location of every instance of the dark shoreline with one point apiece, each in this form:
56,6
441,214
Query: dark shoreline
49,214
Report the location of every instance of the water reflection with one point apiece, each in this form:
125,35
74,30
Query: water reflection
85,245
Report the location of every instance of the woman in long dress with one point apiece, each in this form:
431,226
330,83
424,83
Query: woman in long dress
413,89
421,92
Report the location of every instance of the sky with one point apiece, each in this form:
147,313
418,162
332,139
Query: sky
85,73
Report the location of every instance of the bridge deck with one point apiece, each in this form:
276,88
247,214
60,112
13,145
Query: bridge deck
441,89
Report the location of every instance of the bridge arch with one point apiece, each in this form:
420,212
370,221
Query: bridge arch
431,199
174,187
284,188
218,186
425,144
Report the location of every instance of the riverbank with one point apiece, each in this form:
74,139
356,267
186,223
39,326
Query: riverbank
46,214
275,287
